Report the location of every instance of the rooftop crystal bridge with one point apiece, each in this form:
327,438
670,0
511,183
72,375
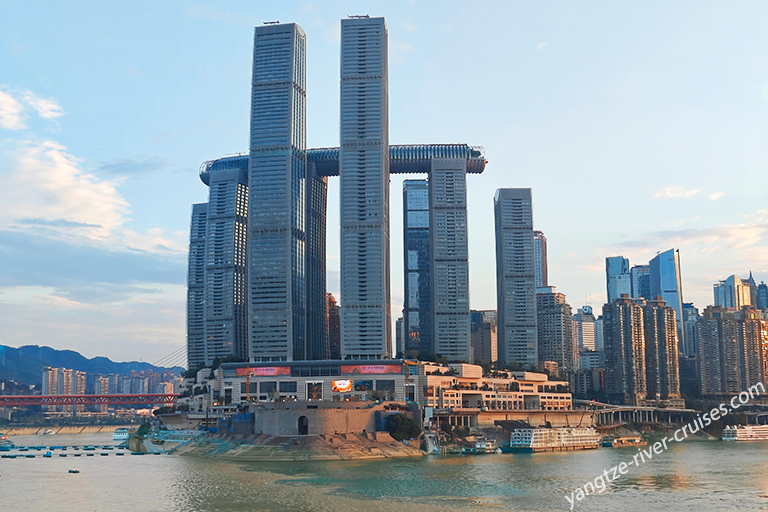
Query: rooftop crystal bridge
403,159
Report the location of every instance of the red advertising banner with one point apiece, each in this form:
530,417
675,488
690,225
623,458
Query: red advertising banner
264,371
370,368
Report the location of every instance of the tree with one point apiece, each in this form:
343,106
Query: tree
401,426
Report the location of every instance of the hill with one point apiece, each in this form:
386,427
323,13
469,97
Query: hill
24,365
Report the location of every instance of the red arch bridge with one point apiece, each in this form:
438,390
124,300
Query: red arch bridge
145,399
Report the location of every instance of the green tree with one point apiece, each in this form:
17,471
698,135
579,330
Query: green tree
401,426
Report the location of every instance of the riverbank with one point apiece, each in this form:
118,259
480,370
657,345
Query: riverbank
259,448
75,429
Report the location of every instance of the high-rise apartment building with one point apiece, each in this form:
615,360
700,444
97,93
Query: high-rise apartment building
661,351
277,195
640,281
733,293
666,283
625,350
366,330
540,259
417,317
731,350
617,277
515,276
555,329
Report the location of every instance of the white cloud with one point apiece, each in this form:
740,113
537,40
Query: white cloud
673,191
11,112
541,45
46,108
716,196
46,192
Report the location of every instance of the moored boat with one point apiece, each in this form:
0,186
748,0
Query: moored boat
745,433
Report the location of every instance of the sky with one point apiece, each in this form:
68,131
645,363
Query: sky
639,127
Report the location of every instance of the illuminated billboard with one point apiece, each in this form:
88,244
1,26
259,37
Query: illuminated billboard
370,368
363,385
341,386
263,371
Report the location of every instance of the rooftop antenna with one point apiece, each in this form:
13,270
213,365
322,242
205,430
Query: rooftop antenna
271,22
358,16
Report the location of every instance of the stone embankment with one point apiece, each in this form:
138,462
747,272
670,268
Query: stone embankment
259,448
77,429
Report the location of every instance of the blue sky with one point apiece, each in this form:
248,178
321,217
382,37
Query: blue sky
640,127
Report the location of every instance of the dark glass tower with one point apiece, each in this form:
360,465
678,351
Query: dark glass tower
416,240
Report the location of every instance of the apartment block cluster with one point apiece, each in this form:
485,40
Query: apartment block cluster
652,343
64,381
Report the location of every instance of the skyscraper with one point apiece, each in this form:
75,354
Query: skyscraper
585,328
225,321
617,277
515,276
555,329
665,282
366,330
731,350
417,310
690,318
449,266
640,279
483,336
762,295
661,352
732,293
196,287
625,350
540,259
276,216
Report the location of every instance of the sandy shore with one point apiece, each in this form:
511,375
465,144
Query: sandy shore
293,448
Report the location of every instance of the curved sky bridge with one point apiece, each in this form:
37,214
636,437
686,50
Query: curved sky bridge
403,159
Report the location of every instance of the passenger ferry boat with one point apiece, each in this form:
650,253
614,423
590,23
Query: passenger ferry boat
121,434
554,439
745,433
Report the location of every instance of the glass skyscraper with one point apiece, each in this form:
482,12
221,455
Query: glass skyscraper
665,282
196,287
617,277
540,259
276,217
416,237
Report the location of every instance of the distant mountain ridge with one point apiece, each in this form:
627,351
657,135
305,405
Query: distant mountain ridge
25,364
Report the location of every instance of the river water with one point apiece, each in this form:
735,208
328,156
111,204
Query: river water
692,476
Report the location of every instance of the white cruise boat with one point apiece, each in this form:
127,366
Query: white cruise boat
745,433
121,434
554,439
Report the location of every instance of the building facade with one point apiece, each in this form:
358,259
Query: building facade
666,283
555,329
277,196
417,317
515,276
617,277
625,376
196,287
733,293
366,326
661,352
731,350
540,259
640,281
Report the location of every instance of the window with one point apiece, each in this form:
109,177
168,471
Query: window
288,387
268,387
